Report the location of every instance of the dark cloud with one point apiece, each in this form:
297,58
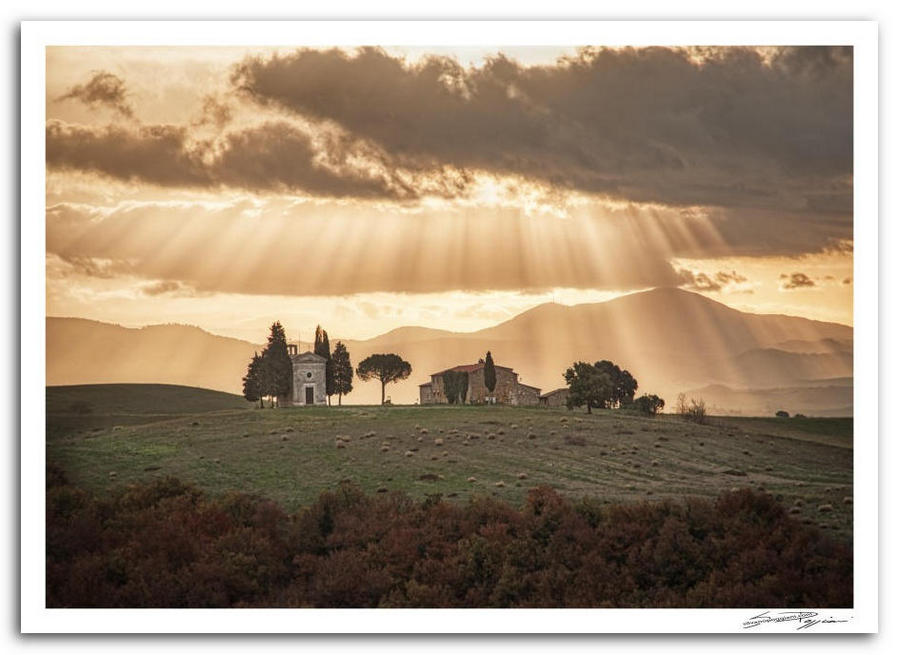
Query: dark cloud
105,268
703,282
697,281
103,89
214,112
162,287
648,125
724,277
796,281
760,147
273,156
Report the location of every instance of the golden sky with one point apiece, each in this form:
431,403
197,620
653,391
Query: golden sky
368,189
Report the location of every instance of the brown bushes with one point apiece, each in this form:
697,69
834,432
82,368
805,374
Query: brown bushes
166,544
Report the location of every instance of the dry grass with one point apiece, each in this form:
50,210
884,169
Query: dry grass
592,458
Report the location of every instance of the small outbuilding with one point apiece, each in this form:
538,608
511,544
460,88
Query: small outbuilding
555,398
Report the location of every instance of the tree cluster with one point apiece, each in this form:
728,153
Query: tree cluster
649,404
167,544
456,386
270,373
599,385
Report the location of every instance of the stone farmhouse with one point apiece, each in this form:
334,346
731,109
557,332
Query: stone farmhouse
308,380
508,390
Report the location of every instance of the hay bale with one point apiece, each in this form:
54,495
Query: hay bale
438,442
825,508
521,476
284,437
848,500
794,510
655,462
289,429
501,431
340,444
798,502
408,453
444,454
423,431
384,449
513,426
532,435
471,478
381,490
429,477
501,483
490,436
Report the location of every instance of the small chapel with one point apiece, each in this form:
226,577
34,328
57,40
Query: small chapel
308,380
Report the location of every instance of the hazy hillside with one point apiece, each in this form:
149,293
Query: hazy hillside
671,340
89,352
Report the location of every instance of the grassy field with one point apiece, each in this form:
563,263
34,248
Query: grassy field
220,443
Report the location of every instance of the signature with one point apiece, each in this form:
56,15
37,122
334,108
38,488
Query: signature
805,620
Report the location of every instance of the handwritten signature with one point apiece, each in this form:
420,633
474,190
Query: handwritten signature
805,620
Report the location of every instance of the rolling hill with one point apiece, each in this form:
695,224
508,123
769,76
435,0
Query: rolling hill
671,340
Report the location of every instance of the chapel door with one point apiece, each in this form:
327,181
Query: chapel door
309,395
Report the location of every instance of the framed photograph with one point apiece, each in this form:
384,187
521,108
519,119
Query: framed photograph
334,324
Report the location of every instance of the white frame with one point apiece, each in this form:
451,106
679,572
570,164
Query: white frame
35,36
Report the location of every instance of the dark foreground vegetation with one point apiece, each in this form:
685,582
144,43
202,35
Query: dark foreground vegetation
167,544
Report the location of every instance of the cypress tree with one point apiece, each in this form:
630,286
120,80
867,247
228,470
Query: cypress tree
253,381
278,371
323,348
343,371
490,373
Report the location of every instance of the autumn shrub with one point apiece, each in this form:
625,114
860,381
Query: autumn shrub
167,544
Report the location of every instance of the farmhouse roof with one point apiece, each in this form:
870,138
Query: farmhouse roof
528,386
555,391
469,368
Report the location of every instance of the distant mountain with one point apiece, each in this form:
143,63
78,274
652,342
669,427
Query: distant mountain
671,341
80,351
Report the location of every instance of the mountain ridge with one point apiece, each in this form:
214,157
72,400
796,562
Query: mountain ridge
671,340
